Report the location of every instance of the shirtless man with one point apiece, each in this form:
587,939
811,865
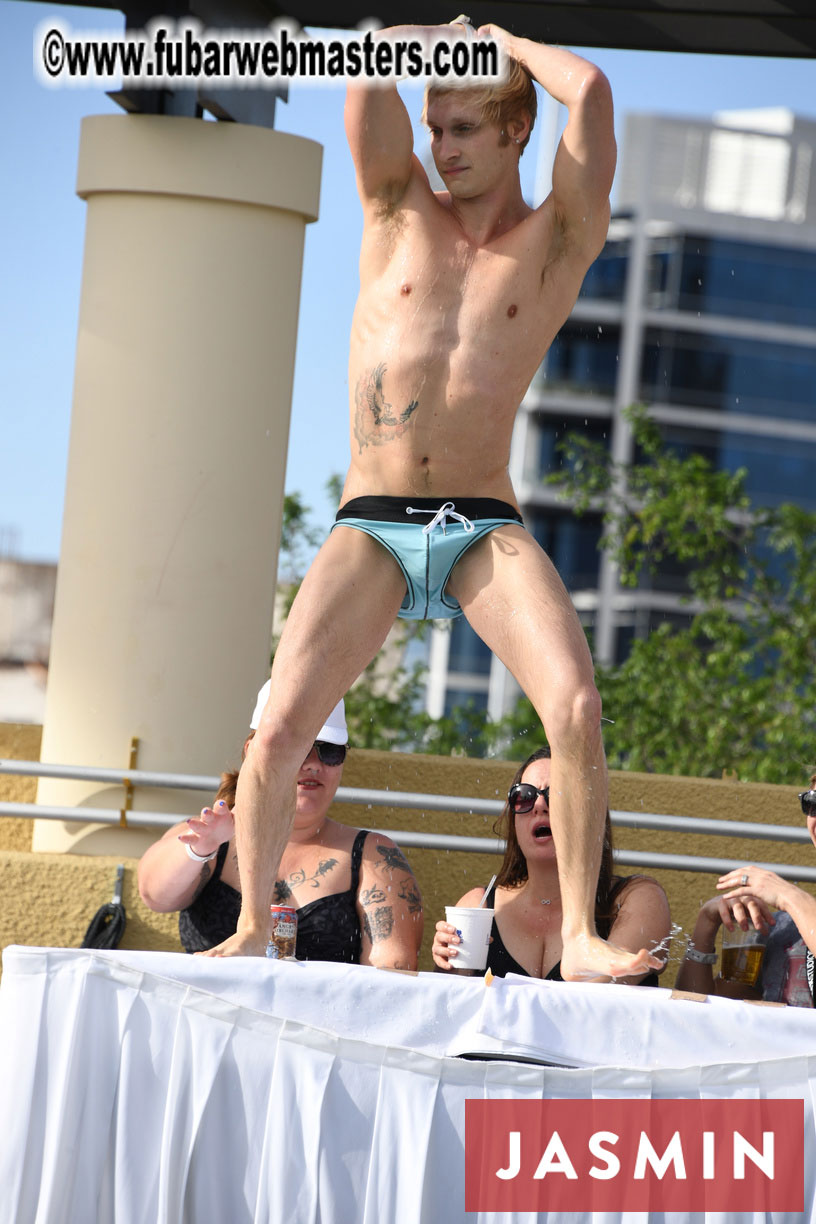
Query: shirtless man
461,295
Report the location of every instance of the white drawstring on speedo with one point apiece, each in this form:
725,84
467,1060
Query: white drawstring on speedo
441,517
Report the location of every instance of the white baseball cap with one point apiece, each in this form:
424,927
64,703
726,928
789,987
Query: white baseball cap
334,730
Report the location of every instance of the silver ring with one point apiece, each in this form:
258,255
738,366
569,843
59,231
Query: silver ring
744,879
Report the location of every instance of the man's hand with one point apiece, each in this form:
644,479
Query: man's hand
504,38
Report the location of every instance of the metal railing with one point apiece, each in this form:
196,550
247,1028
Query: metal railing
414,801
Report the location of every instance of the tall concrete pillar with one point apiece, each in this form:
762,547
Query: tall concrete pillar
185,357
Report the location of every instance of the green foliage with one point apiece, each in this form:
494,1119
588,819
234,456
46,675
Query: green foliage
734,690
334,488
518,734
298,538
663,507
386,712
381,712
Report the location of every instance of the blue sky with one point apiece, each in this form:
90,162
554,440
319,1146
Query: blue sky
42,227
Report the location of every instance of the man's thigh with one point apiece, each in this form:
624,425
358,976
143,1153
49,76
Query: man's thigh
340,617
513,596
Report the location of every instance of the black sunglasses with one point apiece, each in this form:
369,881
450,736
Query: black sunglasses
808,802
522,797
330,754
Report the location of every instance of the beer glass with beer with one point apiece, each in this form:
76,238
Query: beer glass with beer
742,953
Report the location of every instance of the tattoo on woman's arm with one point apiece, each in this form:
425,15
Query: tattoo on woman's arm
379,924
393,859
372,896
409,892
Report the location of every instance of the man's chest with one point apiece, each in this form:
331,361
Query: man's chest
516,294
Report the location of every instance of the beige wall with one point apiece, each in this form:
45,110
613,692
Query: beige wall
50,898
179,429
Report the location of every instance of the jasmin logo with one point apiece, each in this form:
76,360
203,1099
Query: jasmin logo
634,1155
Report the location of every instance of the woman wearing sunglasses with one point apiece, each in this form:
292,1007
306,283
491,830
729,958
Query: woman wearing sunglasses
747,897
630,912
356,896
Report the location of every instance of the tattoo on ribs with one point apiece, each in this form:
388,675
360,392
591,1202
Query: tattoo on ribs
379,923
377,422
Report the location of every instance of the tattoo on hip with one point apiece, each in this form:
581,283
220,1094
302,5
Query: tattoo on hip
377,422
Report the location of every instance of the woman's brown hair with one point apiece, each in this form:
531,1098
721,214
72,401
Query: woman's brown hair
229,780
513,871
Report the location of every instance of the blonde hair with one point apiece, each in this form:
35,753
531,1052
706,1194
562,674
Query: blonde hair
512,98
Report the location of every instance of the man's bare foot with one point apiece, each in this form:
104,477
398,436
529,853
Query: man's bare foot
242,943
590,958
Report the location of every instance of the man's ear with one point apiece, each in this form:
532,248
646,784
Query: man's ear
518,128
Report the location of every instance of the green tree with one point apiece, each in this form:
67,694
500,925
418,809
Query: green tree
384,709
732,691
299,539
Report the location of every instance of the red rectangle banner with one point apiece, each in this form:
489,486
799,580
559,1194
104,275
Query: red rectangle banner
634,1155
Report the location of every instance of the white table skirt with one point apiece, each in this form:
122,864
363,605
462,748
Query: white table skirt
154,1088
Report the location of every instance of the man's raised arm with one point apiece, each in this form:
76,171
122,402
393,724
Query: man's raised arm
378,127
379,133
585,161
381,141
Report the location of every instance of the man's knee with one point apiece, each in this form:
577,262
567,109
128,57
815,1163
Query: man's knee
575,720
278,739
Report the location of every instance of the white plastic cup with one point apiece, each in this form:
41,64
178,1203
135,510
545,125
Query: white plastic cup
473,928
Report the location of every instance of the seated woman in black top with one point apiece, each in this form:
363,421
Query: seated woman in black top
356,896
747,897
631,912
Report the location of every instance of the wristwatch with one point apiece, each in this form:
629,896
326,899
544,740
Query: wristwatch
701,958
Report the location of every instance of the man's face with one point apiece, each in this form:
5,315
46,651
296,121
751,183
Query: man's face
470,154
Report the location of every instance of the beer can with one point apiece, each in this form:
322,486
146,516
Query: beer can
283,932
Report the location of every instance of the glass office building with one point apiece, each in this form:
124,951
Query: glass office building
701,305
